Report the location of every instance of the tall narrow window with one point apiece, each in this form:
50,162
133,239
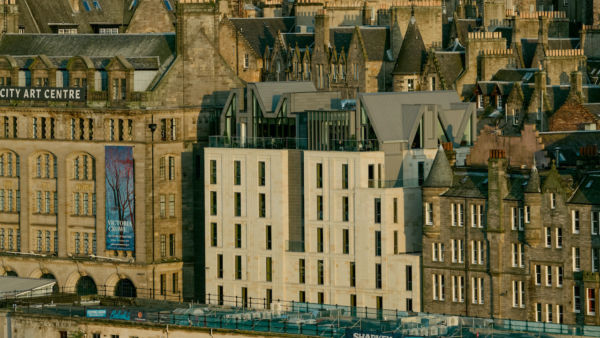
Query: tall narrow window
261,173
576,260
377,209
268,269
213,170
595,219
429,213
575,221
319,175
409,278
346,241
559,238
319,239
219,266
238,267
237,204
377,243
319,207
214,235
378,282
548,231
352,274
238,236
344,176
237,172
301,271
345,209
320,272
268,242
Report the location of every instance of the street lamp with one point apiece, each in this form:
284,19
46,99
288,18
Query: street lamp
152,127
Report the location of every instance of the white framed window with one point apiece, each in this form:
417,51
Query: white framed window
477,252
576,299
461,215
477,290
518,294
559,276
548,275
521,219
576,259
591,301
538,312
461,251
595,259
552,200
434,252
476,215
480,215
527,214
538,275
595,220
429,213
559,314
479,101
454,289
549,313
575,221
454,248
442,287
548,232
559,238
453,211
438,287
515,255
461,289
435,288
441,252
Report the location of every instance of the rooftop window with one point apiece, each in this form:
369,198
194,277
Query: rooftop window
168,5
97,5
87,6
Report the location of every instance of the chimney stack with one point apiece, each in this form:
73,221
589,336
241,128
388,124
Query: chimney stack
321,30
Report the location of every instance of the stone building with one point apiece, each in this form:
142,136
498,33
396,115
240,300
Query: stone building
515,243
79,96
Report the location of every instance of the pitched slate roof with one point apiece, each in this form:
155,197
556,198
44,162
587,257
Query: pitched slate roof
569,143
412,55
261,32
38,15
302,40
523,74
377,42
462,27
441,173
451,65
588,192
340,38
126,45
469,185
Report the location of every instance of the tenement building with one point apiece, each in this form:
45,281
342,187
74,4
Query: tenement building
100,135
309,200
509,242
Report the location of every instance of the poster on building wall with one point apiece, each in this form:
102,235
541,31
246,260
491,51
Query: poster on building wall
120,199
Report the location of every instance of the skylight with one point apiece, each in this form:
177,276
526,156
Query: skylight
86,5
133,4
168,5
589,184
97,5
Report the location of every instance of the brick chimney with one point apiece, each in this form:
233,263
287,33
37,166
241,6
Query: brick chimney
576,86
450,153
497,189
321,30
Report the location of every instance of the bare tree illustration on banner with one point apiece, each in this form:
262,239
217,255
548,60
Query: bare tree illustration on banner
120,199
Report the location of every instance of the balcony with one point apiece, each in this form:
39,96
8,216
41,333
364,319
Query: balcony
291,143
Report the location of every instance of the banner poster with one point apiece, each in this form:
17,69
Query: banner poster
120,198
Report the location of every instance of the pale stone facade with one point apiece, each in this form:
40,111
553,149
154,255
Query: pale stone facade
327,232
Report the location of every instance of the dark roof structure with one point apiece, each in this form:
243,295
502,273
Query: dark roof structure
376,41
262,32
451,65
92,45
412,55
440,175
588,192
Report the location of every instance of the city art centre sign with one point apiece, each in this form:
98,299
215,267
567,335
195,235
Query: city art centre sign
42,94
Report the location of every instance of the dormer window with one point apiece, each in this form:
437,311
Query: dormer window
119,89
479,101
499,102
5,81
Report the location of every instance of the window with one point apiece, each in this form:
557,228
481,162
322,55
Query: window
576,299
591,301
378,276
595,259
171,245
345,241
378,243
559,238
344,176
345,209
552,200
319,176
171,205
575,221
219,266
238,267
548,275
576,260
320,297
458,251
518,294
538,312
237,204
301,296
261,173
268,269
454,213
411,85
213,170
477,248
319,207
301,271
237,173
548,237
595,219
162,208
238,236
246,61
409,278
175,282
320,272
213,203
163,284
396,244
268,242
352,269
429,213
319,239
517,218
171,168
559,276
377,208
559,314
538,275
477,290
163,245
461,215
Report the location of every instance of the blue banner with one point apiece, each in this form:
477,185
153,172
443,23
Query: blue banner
120,198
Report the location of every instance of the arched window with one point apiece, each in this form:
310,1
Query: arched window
84,167
9,164
45,165
86,286
125,288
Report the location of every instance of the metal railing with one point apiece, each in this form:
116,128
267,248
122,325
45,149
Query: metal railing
99,290
291,143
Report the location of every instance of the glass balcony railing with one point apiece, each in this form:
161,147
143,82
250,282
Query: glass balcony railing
291,143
